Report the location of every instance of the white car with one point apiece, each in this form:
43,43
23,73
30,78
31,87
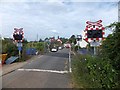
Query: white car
54,50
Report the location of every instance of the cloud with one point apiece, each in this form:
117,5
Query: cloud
55,31
47,17
59,1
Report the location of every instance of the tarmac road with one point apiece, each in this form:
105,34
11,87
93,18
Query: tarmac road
47,71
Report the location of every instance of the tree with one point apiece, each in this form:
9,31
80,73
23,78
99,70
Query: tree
111,46
9,48
46,39
110,49
40,40
25,41
63,40
72,39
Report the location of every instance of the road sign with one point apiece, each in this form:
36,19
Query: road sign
18,35
94,31
94,43
20,48
19,44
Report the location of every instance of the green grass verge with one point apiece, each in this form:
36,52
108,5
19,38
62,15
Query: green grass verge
80,73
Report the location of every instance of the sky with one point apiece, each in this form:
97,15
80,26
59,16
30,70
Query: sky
46,18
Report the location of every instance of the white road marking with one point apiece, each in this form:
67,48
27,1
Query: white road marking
39,57
41,70
70,69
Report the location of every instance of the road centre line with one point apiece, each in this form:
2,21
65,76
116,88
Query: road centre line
41,70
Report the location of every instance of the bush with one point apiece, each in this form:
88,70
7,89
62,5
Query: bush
111,47
37,45
9,48
94,72
40,46
104,70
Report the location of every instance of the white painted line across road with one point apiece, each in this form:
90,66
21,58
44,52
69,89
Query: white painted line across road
41,70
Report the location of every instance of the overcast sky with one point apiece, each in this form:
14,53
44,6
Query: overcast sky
47,18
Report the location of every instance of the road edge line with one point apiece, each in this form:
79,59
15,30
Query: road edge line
70,69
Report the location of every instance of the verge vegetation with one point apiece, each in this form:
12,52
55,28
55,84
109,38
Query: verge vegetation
103,70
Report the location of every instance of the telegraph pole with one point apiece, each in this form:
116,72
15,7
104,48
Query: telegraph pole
37,37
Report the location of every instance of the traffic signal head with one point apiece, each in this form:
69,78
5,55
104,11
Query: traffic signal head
17,36
94,34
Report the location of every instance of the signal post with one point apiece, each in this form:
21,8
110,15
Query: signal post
18,38
94,33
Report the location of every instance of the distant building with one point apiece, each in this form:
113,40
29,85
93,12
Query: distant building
6,38
1,38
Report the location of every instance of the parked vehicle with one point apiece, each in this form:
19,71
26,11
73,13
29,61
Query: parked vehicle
67,45
60,47
54,49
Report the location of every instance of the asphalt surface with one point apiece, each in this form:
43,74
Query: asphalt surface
42,72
